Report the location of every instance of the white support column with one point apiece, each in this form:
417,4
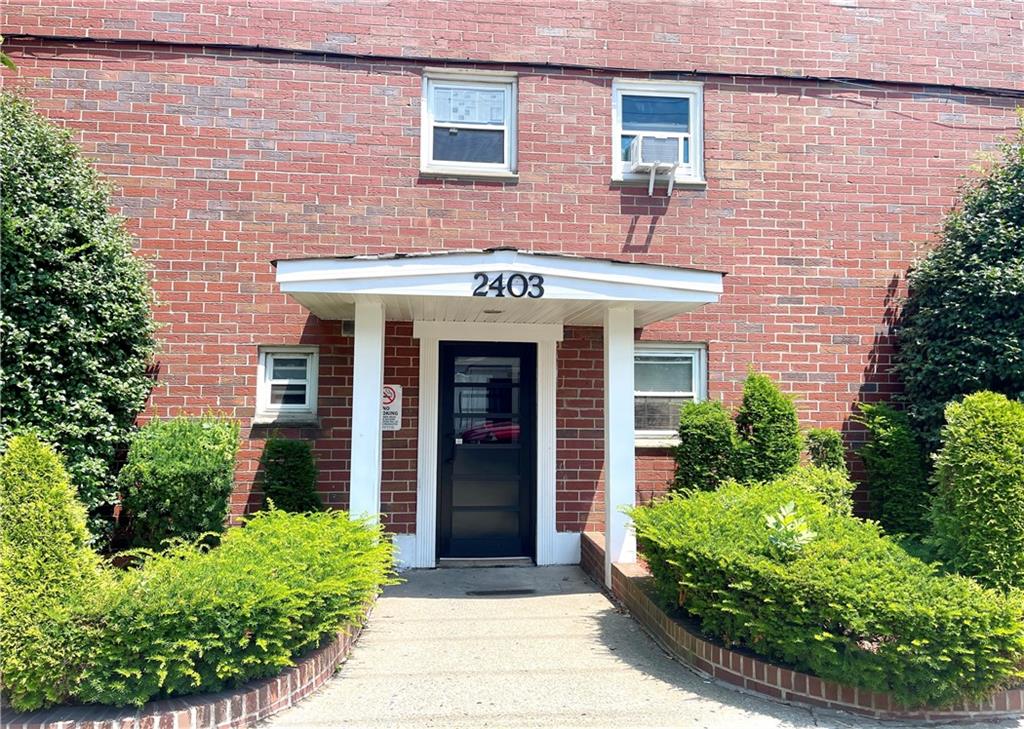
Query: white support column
547,392
367,383
619,437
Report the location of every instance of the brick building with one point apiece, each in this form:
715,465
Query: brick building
281,163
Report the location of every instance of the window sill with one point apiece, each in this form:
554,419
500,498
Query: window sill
656,442
290,420
660,183
468,174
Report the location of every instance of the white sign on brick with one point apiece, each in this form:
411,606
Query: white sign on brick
391,404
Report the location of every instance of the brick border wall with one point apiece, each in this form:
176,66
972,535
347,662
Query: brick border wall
631,585
244,707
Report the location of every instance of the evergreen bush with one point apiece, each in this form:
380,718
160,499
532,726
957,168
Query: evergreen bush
832,487
76,322
48,576
768,428
707,451
196,620
187,620
178,479
825,448
289,475
961,329
897,476
840,599
978,512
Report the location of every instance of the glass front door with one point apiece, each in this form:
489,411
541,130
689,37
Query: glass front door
486,439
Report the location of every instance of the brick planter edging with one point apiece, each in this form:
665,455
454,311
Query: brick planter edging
631,586
238,709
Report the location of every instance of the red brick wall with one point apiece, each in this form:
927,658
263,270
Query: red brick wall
819,194
579,429
927,41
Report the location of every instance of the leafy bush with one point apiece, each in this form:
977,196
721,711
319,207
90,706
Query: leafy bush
960,330
978,514
788,533
48,575
832,487
195,620
896,471
289,475
850,605
825,448
768,428
707,450
178,478
76,322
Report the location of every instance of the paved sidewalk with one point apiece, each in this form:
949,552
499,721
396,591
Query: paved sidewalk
558,654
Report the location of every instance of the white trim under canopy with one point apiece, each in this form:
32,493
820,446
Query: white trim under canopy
500,285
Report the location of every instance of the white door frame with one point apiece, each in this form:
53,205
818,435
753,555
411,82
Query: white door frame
552,547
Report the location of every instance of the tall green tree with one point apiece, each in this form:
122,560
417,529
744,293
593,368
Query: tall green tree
962,328
76,324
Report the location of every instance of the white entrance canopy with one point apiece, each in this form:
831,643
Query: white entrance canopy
493,295
538,287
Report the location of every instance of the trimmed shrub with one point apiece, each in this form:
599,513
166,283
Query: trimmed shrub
707,450
847,604
896,470
195,620
178,478
768,429
960,330
825,448
978,513
76,322
289,475
49,575
832,487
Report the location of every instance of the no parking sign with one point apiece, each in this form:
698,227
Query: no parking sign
391,408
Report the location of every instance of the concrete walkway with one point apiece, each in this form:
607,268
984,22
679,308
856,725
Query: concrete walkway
556,653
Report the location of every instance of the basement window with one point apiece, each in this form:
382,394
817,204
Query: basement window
286,388
468,125
665,378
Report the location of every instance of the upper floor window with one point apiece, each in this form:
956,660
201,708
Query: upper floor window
286,388
665,377
657,121
469,124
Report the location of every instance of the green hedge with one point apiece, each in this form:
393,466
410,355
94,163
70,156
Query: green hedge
830,486
289,475
978,514
850,605
897,474
707,451
960,330
768,428
192,621
825,448
76,324
178,478
48,576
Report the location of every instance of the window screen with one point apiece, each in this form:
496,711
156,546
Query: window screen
664,379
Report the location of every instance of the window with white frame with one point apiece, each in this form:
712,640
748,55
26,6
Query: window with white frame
665,377
469,124
287,384
668,115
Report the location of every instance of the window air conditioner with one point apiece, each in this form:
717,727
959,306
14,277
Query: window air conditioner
655,155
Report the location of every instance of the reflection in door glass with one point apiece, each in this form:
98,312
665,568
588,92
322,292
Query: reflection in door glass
486,407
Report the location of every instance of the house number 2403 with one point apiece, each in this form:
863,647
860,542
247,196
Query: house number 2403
516,285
